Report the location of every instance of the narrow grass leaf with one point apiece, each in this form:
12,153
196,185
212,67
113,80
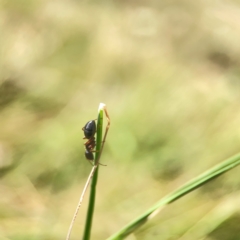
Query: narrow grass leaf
90,211
186,188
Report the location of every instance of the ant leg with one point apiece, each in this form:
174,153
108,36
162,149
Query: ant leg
102,164
90,162
98,162
89,140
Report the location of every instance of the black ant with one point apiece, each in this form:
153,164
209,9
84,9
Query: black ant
89,131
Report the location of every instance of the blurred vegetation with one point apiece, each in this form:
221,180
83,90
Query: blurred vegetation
169,74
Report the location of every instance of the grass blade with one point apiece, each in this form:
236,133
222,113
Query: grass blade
186,188
90,211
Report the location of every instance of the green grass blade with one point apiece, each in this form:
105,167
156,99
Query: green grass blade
186,188
90,211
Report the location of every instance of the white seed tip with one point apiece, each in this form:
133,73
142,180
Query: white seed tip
101,106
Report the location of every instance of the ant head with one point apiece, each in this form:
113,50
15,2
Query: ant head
89,155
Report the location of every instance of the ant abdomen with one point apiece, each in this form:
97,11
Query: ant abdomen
89,129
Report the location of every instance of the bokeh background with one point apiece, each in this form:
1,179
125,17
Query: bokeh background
169,74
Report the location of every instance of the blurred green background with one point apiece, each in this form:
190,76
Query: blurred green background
169,72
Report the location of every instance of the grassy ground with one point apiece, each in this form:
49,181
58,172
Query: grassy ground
169,74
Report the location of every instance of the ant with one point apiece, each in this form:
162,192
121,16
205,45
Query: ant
89,131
